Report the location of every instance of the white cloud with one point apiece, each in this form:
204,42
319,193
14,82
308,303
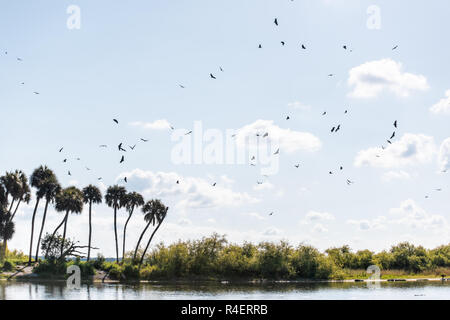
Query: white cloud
411,214
256,215
444,155
365,224
313,216
411,149
272,231
319,228
443,106
161,124
297,105
191,192
371,78
395,175
288,140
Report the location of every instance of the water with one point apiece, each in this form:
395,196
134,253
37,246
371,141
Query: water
279,291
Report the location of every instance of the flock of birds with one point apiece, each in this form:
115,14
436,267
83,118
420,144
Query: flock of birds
335,129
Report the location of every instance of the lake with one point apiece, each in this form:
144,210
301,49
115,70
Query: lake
278,291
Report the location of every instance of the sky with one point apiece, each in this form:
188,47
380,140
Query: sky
148,65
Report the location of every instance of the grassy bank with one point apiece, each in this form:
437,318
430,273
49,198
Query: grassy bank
214,258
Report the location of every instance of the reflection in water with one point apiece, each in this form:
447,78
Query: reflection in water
347,290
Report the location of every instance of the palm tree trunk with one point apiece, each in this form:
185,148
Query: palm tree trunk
148,243
139,241
11,206
64,234
32,230
115,234
42,229
90,231
54,233
15,211
125,234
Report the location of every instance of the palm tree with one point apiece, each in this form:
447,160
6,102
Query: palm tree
154,212
91,194
133,200
69,200
50,188
36,180
14,184
115,197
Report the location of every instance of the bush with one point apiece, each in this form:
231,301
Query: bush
8,266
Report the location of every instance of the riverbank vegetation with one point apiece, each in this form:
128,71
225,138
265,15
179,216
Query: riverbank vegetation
209,258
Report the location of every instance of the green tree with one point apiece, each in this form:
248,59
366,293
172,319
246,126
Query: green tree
15,184
50,188
91,194
69,200
37,179
154,212
133,200
115,198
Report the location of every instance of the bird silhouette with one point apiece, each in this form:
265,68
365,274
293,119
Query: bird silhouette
212,76
395,123
260,46
188,133
144,140
122,159
394,47
303,47
275,21
392,136
116,121
277,152
283,43
132,147
60,150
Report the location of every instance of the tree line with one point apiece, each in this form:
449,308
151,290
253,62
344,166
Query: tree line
16,189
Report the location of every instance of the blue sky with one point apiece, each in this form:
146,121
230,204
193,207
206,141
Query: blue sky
127,61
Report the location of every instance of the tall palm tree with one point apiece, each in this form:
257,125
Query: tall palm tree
36,180
50,188
15,184
69,200
115,197
133,200
154,212
91,194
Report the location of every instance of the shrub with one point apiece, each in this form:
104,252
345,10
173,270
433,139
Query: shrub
8,266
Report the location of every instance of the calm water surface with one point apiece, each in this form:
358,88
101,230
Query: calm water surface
298,291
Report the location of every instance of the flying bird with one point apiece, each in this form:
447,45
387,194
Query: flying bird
345,47
122,159
103,146
35,92
324,113
125,179
260,46
65,160
188,133
116,121
144,140
120,147
349,182
297,166
271,214
395,123
68,172
60,150
275,21
333,129
265,135
214,184
220,68
278,151
283,43
132,147
394,47
303,47
19,59
212,76
287,118
392,136
181,86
